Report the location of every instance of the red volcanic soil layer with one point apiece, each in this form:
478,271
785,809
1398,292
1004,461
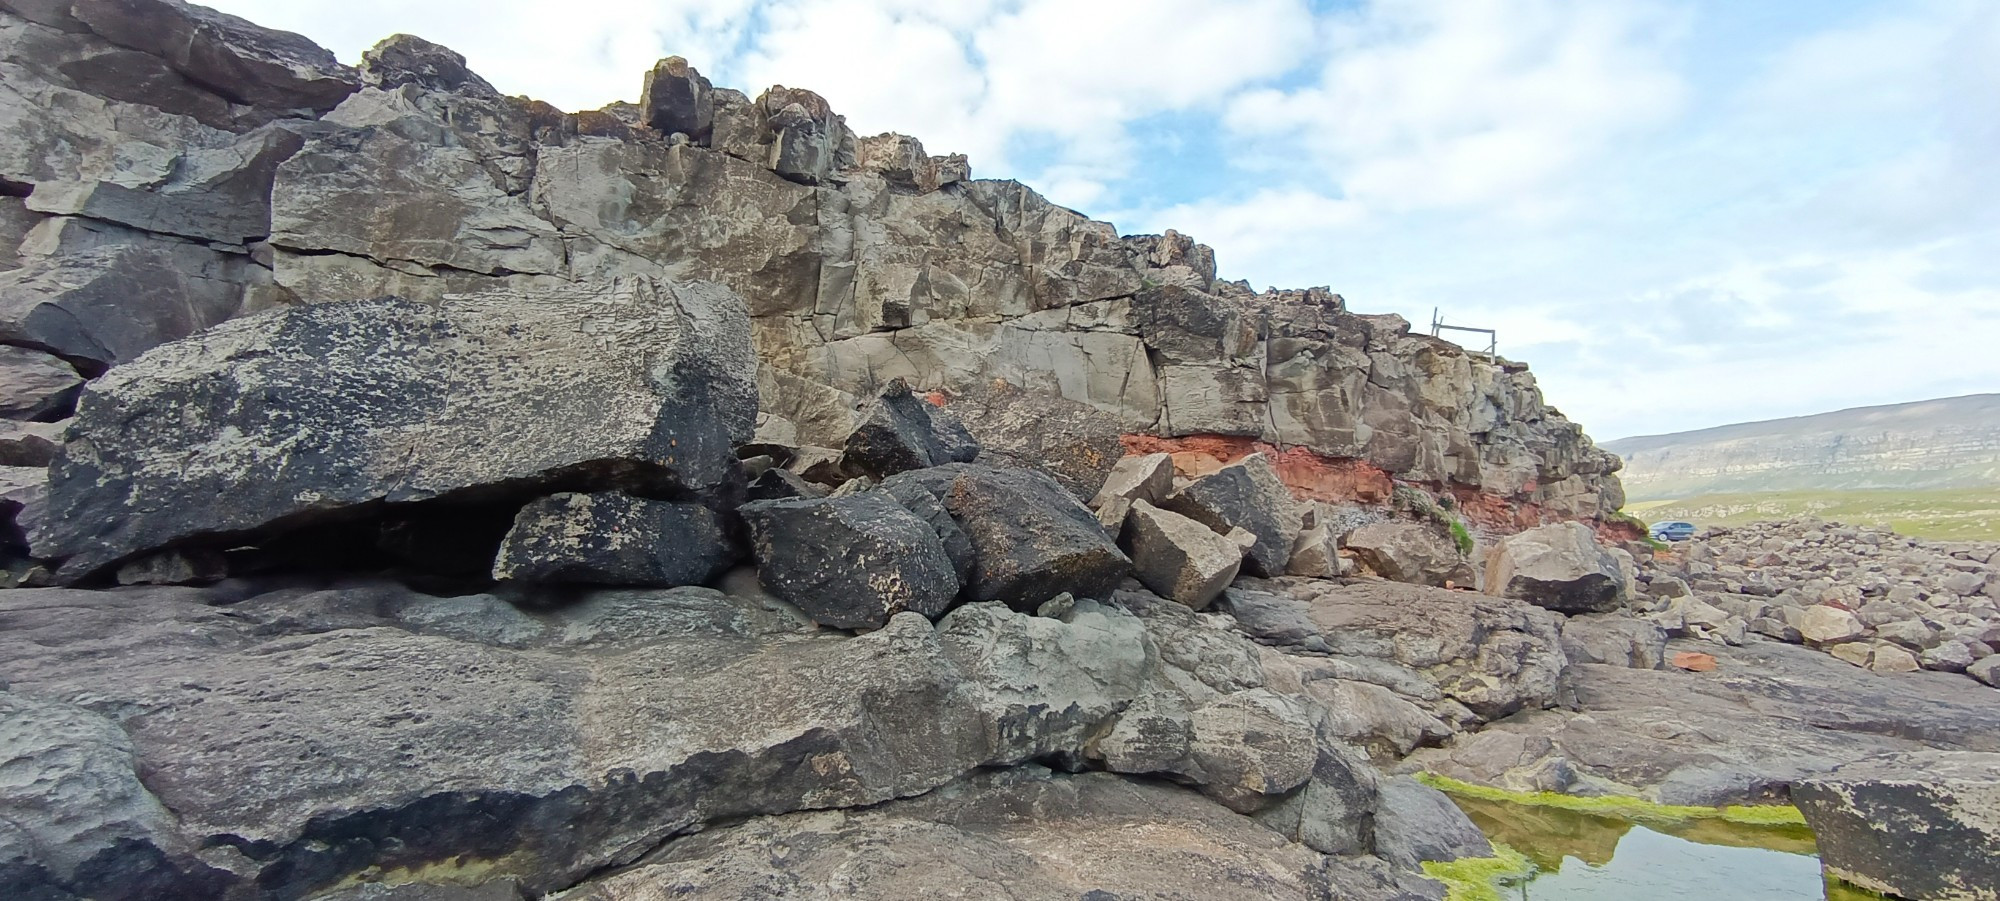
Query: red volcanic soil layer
1309,475
1346,480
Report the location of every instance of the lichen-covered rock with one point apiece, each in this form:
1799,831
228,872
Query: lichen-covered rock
851,562
1026,538
1914,826
1249,495
901,432
1179,558
1559,566
613,538
315,411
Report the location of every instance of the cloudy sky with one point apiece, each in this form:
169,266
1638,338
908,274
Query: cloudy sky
1683,213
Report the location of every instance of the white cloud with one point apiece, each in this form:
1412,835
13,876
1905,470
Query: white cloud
1455,103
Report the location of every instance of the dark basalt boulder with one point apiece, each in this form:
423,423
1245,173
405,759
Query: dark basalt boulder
850,562
901,432
326,412
1248,495
612,538
1029,539
677,99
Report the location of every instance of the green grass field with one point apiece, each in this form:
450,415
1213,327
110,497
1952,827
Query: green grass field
1955,514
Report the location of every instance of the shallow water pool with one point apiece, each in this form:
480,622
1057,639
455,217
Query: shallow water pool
1577,856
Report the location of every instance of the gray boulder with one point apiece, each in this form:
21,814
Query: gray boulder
1614,639
1560,567
35,385
1986,669
850,562
1417,553
1913,826
1415,823
1179,558
613,538
1026,538
1249,495
901,432
1147,477
317,411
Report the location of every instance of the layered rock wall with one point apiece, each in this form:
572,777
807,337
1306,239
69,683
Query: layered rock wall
180,188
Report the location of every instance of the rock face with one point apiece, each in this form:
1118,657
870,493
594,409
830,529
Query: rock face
317,410
1916,826
1561,567
614,539
851,562
273,174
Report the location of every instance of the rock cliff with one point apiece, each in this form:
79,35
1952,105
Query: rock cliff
192,179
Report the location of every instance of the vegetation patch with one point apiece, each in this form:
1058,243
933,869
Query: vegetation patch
1480,878
1638,810
1955,514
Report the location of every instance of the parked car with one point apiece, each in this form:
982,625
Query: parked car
1673,531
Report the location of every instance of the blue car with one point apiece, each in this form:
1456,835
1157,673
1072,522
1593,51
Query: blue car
1673,531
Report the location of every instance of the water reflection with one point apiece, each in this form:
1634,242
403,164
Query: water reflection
1596,857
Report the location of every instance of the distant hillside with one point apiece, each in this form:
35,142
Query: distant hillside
1934,444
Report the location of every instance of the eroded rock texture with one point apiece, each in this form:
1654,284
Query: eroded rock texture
204,168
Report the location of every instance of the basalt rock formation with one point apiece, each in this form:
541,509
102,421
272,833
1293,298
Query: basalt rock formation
459,498
247,169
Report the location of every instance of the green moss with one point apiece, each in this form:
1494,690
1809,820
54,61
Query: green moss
1463,537
1638,810
1480,878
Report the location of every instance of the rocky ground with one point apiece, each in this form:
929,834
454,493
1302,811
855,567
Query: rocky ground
1867,596
717,515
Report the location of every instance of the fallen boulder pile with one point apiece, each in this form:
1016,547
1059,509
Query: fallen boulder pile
1867,596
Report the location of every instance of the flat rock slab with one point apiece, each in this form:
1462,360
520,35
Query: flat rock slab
1042,836
1768,716
303,413
303,735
